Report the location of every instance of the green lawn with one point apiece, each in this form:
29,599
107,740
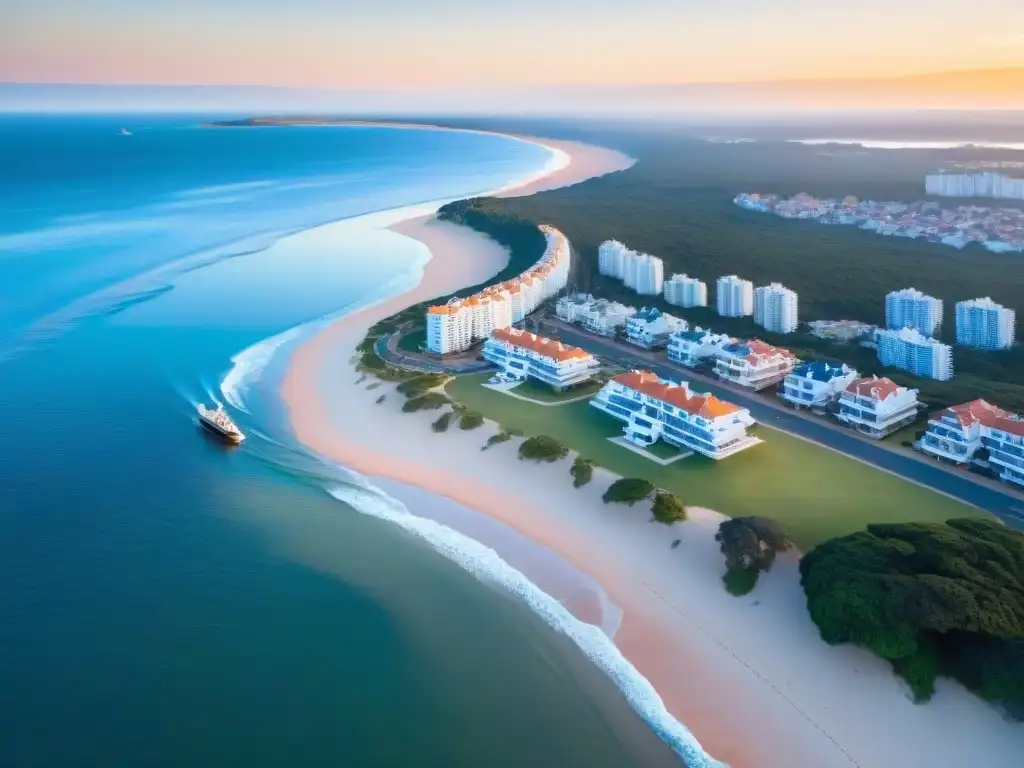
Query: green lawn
545,394
412,341
908,434
815,493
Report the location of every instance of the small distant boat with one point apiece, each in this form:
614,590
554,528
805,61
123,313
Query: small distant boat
125,132
217,421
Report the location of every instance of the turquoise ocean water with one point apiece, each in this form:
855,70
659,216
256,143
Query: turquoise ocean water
167,601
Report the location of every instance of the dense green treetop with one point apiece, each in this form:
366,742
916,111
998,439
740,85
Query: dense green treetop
628,490
667,508
931,598
582,470
751,543
542,448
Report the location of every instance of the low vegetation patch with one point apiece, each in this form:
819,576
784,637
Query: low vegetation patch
431,401
470,420
628,490
667,508
582,471
740,581
420,383
441,425
542,448
750,545
932,599
501,437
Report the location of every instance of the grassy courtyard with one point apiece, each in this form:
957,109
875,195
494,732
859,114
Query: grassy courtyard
815,493
534,390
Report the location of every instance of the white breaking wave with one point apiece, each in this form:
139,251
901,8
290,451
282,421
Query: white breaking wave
249,364
485,564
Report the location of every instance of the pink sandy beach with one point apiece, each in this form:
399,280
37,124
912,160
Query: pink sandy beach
749,677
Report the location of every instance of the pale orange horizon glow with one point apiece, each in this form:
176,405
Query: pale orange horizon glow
457,43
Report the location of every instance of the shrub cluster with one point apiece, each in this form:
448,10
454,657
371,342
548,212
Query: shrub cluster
542,448
931,598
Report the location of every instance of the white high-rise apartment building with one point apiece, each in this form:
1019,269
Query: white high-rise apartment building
645,274
686,292
453,327
982,184
775,308
735,296
910,308
910,350
611,258
642,272
984,324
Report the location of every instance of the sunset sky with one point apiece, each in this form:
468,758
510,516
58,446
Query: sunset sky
416,43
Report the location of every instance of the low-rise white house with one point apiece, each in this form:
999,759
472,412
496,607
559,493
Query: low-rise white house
910,350
956,434
686,292
877,406
650,328
753,363
816,384
1005,443
655,409
521,355
691,347
572,307
840,330
605,317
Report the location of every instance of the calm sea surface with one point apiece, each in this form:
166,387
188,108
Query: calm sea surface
167,601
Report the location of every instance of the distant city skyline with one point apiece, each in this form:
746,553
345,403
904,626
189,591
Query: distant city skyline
401,44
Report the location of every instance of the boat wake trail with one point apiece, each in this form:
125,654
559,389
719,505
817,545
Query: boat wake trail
248,365
485,564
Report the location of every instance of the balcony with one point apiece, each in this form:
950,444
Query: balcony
1004,459
945,449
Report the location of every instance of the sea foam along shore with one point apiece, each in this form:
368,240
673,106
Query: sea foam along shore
749,677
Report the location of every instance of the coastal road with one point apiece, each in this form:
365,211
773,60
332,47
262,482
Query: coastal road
1005,504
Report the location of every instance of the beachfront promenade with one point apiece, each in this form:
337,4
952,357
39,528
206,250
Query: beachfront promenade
1005,504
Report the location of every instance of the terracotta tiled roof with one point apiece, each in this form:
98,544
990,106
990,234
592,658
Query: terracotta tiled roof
540,344
986,413
708,406
874,387
759,347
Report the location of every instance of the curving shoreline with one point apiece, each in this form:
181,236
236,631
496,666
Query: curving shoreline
575,161
752,681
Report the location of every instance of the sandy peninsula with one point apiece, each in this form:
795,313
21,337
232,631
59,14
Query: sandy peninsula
574,162
749,676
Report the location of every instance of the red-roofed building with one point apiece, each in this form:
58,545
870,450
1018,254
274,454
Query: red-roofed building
877,406
754,363
655,409
522,355
956,433
457,325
